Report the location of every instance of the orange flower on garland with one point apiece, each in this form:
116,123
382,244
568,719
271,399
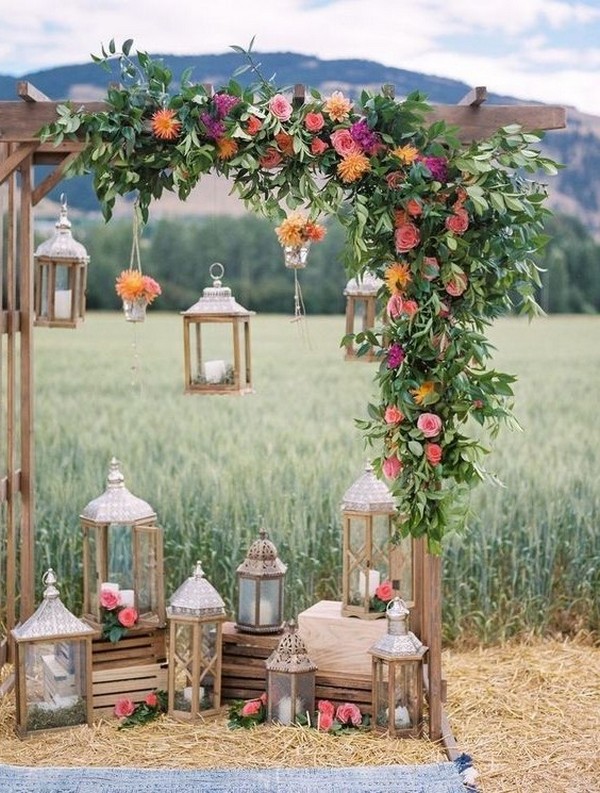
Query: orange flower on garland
337,106
422,394
285,143
353,167
297,230
132,285
165,124
406,154
398,277
226,148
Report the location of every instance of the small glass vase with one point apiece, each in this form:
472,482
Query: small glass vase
295,256
135,310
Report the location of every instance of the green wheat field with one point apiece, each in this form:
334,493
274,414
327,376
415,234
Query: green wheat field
217,468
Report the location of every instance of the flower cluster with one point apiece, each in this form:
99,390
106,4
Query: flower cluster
247,713
116,617
132,285
132,714
297,230
345,717
383,594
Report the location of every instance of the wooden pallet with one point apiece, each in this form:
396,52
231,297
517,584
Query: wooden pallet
135,649
133,682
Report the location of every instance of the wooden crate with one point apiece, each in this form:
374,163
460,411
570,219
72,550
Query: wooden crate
345,688
339,645
135,649
133,682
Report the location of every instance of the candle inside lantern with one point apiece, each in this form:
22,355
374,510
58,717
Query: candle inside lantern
187,693
109,586
127,598
266,612
401,717
62,304
374,581
214,371
284,710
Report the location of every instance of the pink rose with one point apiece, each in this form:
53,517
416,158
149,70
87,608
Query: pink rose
271,159
385,591
109,600
314,122
430,268
391,467
325,721
413,207
429,424
326,708
392,415
433,453
444,311
252,707
124,707
151,700
280,107
410,308
318,146
343,142
263,698
348,713
407,237
458,223
394,306
457,285
127,617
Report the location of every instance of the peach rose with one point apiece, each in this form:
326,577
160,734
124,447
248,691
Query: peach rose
385,591
414,208
392,415
252,707
457,285
280,107
391,467
253,125
127,617
407,237
348,713
271,159
124,707
318,146
343,142
429,424
458,223
109,600
326,708
151,700
433,453
314,122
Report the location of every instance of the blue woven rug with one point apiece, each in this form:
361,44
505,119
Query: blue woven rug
437,778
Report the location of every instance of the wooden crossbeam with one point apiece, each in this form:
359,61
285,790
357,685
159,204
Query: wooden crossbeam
12,162
52,179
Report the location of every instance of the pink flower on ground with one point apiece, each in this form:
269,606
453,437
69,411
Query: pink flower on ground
391,467
280,107
385,591
325,721
124,707
457,285
109,600
343,142
433,453
349,714
314,122
271,159
392,415
263,698
407,237
252,707
325,707
429,424
394,306
151,700
127,617
318,146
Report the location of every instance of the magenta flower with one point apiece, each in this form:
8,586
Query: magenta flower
438,168
395,356
365,137
223,104
214,128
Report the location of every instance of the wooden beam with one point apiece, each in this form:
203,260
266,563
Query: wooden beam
8,685
482,121
52,179
475,97
30,93
21,121
15,158
10,485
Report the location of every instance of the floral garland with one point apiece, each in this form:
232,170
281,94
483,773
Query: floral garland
327,717
132,714
450,228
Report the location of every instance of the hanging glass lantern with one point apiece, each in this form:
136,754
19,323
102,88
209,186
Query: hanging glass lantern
397,684
216,342
295,257
260,588
361,305
123,554
196,613
374,568
291,679
53,667
60,276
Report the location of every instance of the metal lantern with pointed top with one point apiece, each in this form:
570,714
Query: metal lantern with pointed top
196,613
260,588
361,304
290,679
122,552
397,683
60,278
374,568
53,666
216,342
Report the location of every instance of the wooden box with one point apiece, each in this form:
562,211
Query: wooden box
135,649
339,645
133,682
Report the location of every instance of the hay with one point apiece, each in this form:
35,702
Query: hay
528,714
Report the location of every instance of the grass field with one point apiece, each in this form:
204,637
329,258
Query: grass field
217,468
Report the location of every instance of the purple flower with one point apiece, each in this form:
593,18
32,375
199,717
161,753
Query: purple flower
223,104
365,137
395,356
438,167
214,128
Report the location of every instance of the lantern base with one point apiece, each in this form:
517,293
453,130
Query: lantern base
361,614
259,630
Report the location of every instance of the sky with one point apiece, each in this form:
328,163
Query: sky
542,50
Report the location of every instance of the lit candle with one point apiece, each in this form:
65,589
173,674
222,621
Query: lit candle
127,597
374,581
62,304
214,371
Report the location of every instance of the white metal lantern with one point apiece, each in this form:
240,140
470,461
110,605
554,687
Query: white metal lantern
216,342
397,682
372,563
291,679
196,613
361,305
260,588
123,552
60,278
53,665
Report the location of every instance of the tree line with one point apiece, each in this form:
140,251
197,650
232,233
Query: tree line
178,253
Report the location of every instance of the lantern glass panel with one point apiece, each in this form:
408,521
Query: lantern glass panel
401,568
269,609
247,600
55,674
211,352
120,555
146,571
181,658
91,572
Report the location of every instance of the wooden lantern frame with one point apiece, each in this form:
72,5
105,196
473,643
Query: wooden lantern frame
361,294
289,668
260,571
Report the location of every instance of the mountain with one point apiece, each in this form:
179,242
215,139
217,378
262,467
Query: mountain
575,191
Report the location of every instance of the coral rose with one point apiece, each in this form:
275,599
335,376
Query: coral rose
325,721
392,415
285,143
385,591
433,453
394,179
124,707
109,600
414,208
252,707
457,285
391,467
325,707
349,714
314,122
280,107
343,142
271,159
253,125
318,146
458,223
407,237
410,308
429,424
127,617
151,700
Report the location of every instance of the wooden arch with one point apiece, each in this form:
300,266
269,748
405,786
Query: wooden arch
20,153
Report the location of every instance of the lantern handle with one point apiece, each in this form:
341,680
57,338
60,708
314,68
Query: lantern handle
216,272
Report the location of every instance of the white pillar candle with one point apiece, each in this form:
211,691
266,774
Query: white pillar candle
374,581
127,597
401,717
214,371
187,693
62,304
267,612
284,710
109,586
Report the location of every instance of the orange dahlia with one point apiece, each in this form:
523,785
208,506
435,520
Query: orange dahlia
398,277
353,167
132,285
337,106
226,148
165,124
423,392
406,154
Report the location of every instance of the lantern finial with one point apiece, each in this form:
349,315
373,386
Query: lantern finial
49,580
